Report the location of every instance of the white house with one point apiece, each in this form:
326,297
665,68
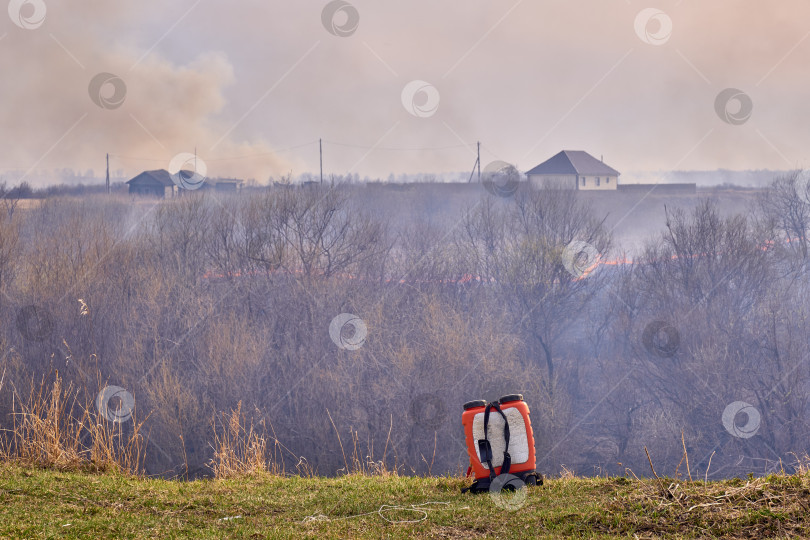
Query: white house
574,169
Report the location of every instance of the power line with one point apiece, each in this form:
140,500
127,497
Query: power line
262,154
229,158
402,149
135,158
320,142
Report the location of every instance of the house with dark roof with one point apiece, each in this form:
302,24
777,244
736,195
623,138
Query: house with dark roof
160,183
574,169
153,183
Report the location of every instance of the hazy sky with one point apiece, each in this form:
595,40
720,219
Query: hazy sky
254,84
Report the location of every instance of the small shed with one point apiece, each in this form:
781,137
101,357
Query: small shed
228,185
153,184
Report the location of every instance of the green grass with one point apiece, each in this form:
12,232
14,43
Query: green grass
36,503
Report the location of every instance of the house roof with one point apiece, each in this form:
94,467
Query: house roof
160,176
574,162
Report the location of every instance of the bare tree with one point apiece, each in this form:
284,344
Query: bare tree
710,285
542,252
785,208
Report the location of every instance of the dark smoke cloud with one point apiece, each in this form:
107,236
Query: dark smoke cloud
551,74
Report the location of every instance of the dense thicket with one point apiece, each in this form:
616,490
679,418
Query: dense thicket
194,305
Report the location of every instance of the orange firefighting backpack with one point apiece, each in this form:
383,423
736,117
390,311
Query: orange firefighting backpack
499,444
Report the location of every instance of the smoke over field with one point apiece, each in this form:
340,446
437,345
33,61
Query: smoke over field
358,319
251,303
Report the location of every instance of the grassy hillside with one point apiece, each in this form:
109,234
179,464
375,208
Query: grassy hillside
37,503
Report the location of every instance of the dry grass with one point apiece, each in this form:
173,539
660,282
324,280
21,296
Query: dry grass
53,429
242,449
774,505
754,508
365,465
239,450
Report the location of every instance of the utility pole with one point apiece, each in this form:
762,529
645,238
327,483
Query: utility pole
476,165
108,174
479,162
320,146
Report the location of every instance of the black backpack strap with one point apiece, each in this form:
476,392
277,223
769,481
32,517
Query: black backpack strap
507,459
485,448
